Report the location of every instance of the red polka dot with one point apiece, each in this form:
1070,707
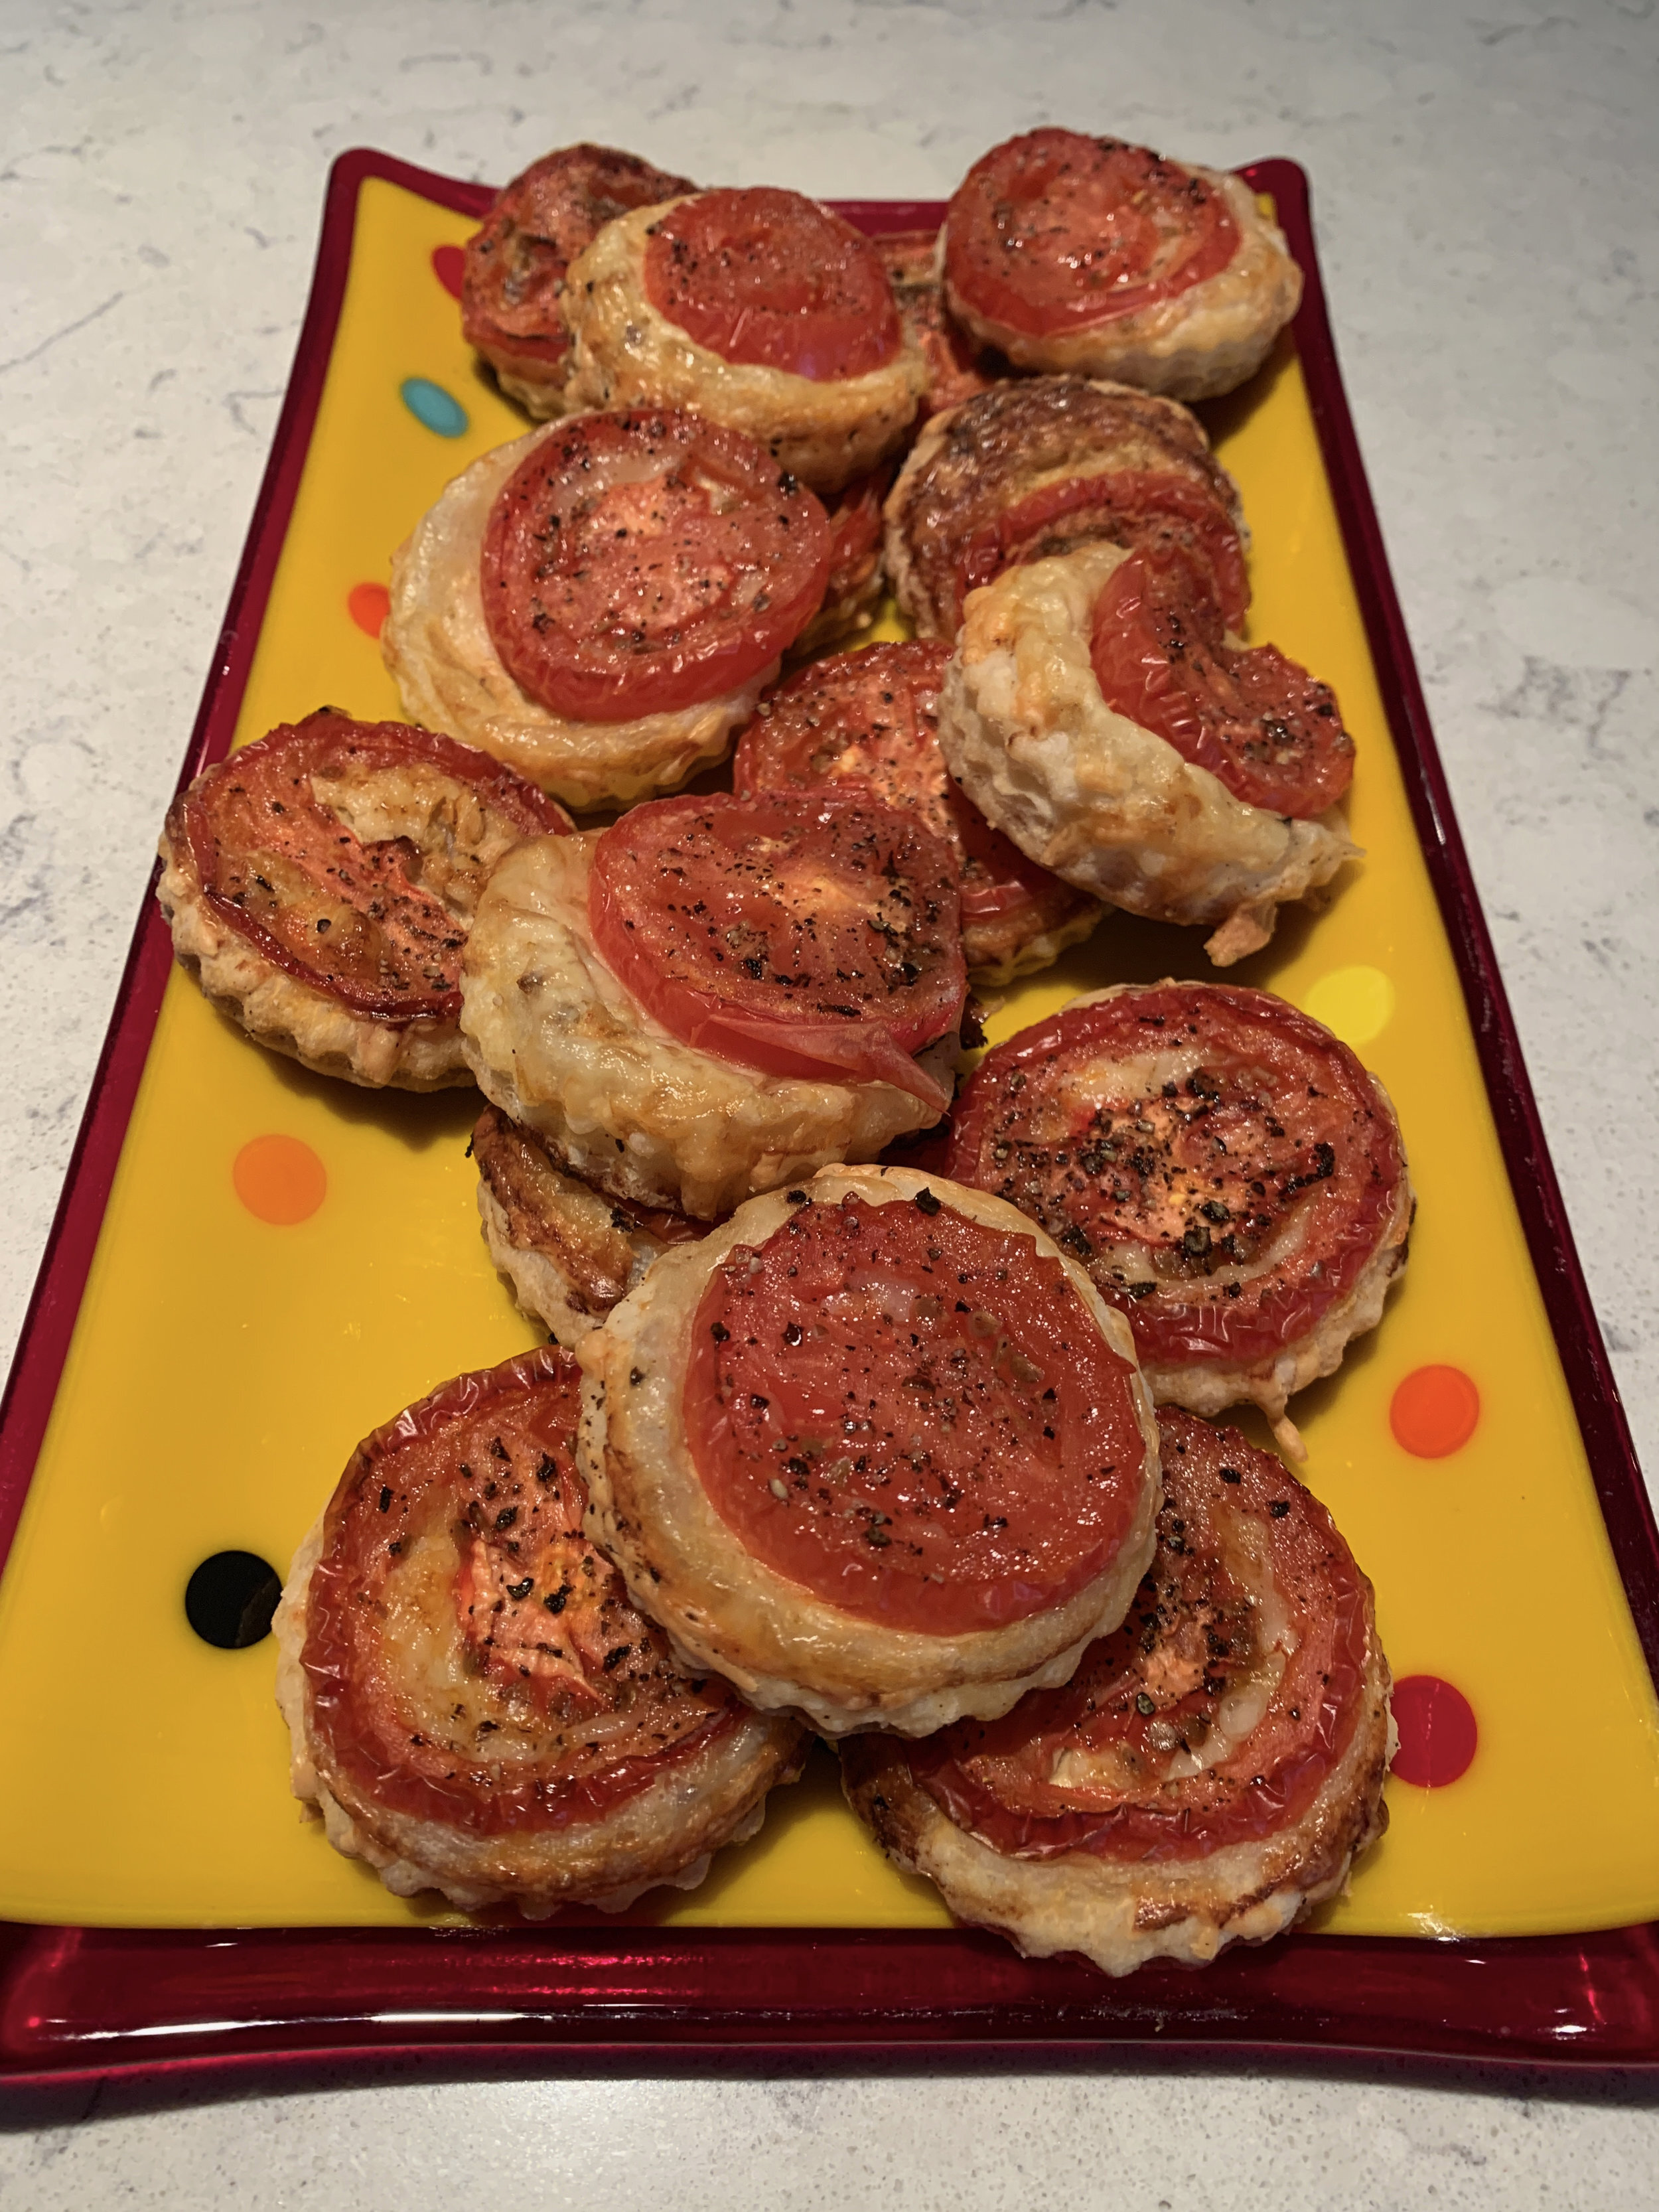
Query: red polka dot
448,264
1434,1412
1437,1731
369,605
279,1180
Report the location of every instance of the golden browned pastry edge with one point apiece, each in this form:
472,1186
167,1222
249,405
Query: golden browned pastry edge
665,1835
1195,344
1120,1914
626,353
782,1646
1090,795
437,646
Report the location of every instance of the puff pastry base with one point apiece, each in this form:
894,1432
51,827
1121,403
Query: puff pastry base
1095,798
780,1644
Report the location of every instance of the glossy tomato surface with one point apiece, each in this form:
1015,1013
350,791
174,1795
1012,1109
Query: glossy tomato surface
770,278
1215,1713
816,937
638,563
1054,231
540,1697
1222,1165
367,922
1265,728
913,1415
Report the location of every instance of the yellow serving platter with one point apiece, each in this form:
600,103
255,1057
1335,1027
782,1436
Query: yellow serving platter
223,1365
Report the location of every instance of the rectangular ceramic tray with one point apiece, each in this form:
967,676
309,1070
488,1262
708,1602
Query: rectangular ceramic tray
1508,1853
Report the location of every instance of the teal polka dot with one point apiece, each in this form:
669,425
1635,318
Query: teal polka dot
430,403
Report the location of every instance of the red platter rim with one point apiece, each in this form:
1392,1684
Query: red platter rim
185,2006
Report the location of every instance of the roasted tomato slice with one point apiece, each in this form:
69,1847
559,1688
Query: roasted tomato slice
854,538
956,368
472,1658
817,937
515,266
1223,1166
1054,231
913,1415
1262,726
638,563
771,278
1043,464
870,721
351,855
1215,1713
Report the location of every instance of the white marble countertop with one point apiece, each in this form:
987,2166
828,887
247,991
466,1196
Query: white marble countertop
1485,174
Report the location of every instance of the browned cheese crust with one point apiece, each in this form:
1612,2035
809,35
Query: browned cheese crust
436,643
568,1251
665,1835
782,1646
973,462
1111,806
1195,344
628,354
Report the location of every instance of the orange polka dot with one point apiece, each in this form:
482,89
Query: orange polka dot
369,605
279,1180
1434,1412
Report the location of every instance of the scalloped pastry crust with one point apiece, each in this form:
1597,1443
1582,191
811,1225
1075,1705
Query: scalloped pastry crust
286,1016
782,1646
666,1835
558,1044
1195,344
1108,805
1119,1913
437,645
568,1251
626,353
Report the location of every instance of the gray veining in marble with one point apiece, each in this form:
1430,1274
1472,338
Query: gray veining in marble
1485,173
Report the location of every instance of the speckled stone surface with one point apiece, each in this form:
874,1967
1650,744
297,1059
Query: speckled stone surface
1485,174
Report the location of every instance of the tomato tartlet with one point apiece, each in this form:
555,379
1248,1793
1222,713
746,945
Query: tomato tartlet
1209,1773
759,309
1040,465
601,602
875,1451
568,1250
956,367
1090,257
1099,715
474,1703
1230,1176
717,995
869,721
319,886
513,274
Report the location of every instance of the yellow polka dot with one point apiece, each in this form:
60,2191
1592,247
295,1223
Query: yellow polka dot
1357,1003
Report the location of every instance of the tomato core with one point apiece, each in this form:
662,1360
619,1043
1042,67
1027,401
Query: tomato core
1056,232
772,279
816,937
641,563
1259,723
913,1415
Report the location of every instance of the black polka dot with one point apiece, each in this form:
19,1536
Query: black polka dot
230,1598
